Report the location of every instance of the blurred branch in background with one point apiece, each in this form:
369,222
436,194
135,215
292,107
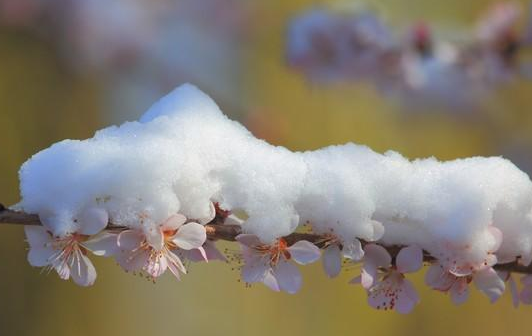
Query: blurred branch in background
423,66
142,48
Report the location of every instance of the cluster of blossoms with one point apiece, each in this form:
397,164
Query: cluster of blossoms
382,276
417,68
151,249
176,178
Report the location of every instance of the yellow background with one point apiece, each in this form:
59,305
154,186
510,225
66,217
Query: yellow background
42,102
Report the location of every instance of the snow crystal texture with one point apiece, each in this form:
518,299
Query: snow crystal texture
184,153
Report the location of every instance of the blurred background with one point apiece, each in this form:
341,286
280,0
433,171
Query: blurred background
70,67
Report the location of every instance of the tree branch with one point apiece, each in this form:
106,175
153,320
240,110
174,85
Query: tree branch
217,231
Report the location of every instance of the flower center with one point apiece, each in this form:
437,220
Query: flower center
388,290
69,244
275,251
168,239
68,250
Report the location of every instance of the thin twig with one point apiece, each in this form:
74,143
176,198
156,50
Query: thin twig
217,231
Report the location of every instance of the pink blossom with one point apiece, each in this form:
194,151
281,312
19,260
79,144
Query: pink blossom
486,280
156,249
209,251
269,263
437,278
335,250
507,278
457,261
68,254
385,283
454,270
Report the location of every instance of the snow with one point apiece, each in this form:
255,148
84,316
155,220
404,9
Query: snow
184,153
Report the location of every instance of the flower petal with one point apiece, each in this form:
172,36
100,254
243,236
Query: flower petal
190,236
40,256
332,261
37,236
129,240
407,298
304,252
92,220
254,270
154,236
104,244
378,299
248,254
173,222
459,292
210,252
202,252
270,281
437,278
156,266
62,269
404,304
387,293
132,261
175,265
488,282
368,275
82,271
288,277
409,259
353,251
377,255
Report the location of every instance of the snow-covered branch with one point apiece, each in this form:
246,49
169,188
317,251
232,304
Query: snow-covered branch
185,175
217,230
